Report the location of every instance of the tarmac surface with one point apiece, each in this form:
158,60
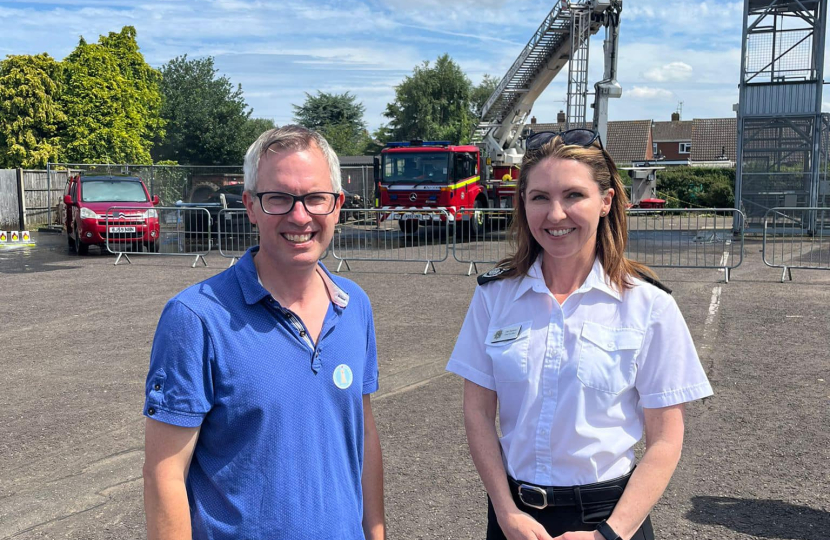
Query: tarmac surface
74,352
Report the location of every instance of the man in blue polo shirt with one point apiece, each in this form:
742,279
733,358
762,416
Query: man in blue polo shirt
259,423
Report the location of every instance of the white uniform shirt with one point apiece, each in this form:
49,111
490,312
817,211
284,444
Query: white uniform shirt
572,380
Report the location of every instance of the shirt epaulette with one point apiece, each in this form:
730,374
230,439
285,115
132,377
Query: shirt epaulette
495,274
650,280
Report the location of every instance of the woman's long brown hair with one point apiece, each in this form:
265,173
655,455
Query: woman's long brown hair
612,231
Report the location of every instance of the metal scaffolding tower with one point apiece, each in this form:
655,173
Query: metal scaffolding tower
782,135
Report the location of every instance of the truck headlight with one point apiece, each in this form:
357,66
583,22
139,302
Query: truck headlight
86,213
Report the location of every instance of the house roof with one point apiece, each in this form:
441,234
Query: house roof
713,138
680,131
628,140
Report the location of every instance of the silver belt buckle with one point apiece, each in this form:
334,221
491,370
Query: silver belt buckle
537,490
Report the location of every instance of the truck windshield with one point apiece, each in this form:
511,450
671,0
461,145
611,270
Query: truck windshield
416,167
113,191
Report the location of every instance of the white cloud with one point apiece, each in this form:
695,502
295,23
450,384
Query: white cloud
279,50
671,72
645,92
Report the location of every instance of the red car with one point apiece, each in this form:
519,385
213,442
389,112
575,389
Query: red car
87,199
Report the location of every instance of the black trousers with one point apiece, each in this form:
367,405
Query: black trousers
576,517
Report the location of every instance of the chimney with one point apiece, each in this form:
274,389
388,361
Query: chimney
675,117
532,120
560,118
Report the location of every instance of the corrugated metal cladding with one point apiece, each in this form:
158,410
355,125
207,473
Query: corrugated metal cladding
765,100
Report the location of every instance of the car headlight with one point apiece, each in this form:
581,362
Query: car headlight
86,213
151,213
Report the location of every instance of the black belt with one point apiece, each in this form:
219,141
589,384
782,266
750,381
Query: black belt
541,497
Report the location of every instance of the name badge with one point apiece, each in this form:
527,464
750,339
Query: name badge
506,334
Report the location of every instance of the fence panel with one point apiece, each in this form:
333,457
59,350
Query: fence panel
686,238
44,191
9,206
171,231
797,238
481,236
420,235
359,179
235,233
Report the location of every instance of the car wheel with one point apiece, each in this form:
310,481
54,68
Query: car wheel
409,226
80,247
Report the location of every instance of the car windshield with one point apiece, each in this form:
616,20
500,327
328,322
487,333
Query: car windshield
416,167
234,190
113,191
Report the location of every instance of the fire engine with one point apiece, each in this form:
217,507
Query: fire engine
438,175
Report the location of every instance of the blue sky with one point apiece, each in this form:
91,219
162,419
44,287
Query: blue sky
670,50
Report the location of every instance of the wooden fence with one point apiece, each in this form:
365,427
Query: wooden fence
9,200
41,198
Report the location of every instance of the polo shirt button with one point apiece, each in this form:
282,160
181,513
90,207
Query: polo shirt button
151,411
302,333
157,387
610,345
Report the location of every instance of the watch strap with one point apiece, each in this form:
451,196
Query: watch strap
607,532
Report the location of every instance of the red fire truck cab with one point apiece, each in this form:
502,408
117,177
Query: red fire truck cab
437,175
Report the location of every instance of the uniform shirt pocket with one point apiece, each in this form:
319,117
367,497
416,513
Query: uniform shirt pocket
509,356
607,357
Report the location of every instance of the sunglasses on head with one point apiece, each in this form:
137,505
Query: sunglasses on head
576,137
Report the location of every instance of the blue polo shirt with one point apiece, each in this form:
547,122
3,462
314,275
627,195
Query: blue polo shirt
280,451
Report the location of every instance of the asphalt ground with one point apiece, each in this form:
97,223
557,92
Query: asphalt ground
74,349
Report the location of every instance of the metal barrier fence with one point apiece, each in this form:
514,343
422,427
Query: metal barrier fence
797,238
235,233
369,235
169,231
481,236
687,238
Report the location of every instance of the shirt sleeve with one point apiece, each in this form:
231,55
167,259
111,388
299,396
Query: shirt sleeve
179,388
370,369
668,369
469,358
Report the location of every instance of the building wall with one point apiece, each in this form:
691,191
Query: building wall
671,150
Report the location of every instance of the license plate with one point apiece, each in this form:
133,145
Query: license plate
122,229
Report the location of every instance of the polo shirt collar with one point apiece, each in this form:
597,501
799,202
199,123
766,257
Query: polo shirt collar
597,279
254,292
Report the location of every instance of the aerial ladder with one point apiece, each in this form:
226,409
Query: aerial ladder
562,39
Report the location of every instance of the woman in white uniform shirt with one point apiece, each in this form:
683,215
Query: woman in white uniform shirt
580,350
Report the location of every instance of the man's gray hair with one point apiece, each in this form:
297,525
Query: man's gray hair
290,137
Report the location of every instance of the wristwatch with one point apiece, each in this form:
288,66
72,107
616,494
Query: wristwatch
607,532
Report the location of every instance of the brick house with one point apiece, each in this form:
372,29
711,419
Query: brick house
672,141
628,140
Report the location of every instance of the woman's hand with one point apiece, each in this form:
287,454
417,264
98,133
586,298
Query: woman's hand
520,526
580,535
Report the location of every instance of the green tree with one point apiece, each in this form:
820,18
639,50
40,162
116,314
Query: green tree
112,101
206,115
481,93
255,127
30,113
338,117
694,187
433,103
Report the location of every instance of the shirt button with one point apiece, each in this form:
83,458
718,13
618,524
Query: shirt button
302,333
610,345
157,387
151,411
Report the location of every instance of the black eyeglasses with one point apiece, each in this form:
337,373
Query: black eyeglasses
277,203
576,137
